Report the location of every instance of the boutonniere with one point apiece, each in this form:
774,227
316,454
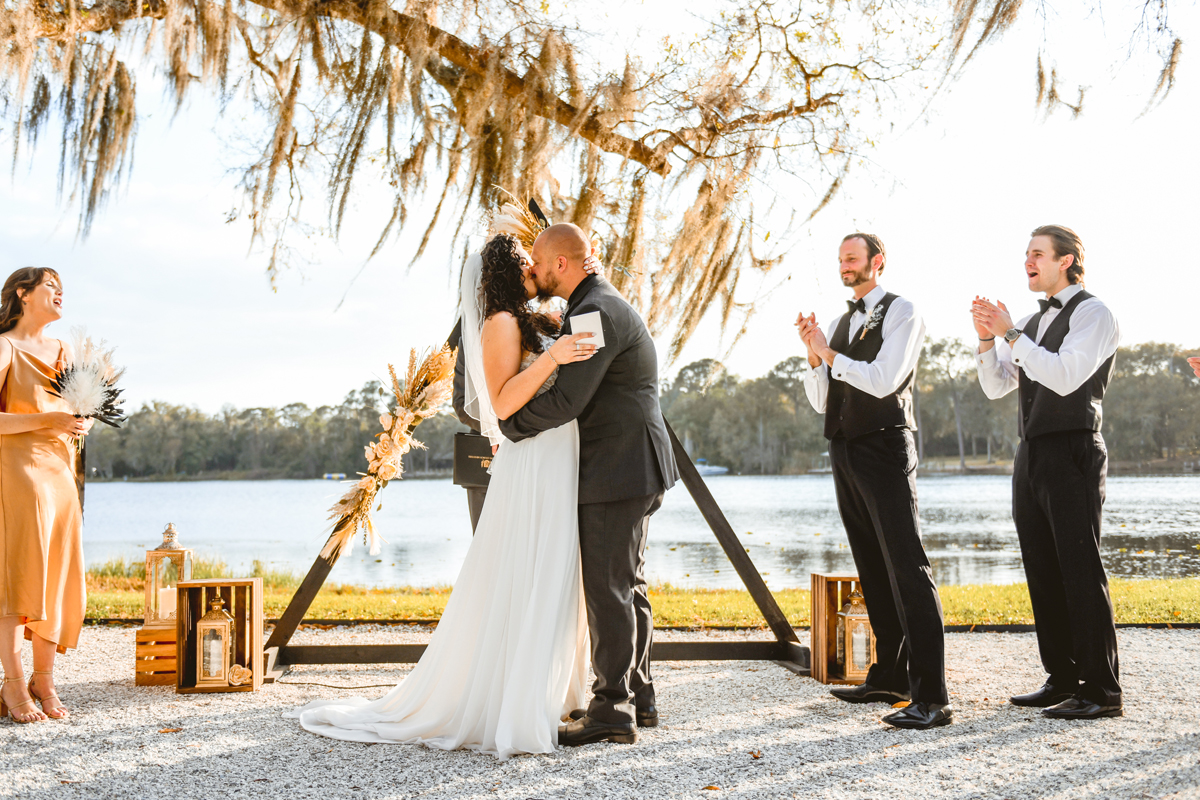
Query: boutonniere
873,320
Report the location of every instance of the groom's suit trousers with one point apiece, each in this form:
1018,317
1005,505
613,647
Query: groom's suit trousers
612,542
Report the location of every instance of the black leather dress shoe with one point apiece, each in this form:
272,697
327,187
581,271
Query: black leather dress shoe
1079,708
866,693
588,731
646,717
920,716
1048,695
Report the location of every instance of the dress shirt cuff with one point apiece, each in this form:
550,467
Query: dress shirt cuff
841,364
1021,348
987,358
817,372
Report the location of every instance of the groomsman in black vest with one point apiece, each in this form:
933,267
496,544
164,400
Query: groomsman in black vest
862,380
1061,360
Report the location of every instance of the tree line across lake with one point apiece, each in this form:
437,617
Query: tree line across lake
755,426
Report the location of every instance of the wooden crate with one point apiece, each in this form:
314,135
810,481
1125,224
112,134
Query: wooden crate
244,601
829,594
154,657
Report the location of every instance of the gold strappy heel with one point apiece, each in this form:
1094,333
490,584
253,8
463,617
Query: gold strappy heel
58,712
25,718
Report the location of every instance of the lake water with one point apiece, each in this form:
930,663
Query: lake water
789,524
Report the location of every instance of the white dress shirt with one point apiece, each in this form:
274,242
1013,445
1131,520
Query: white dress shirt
1092,338
903,335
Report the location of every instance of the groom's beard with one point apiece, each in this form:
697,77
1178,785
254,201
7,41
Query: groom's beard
545,287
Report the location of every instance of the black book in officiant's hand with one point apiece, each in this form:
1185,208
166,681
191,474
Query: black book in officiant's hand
472,457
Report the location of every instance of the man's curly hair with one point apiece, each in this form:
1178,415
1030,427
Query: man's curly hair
504,290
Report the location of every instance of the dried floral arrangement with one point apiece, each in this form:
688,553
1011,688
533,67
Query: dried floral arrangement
427,386
88,382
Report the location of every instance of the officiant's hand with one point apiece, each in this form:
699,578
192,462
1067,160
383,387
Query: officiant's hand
571,348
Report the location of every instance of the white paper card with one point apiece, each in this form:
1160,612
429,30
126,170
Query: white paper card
588,323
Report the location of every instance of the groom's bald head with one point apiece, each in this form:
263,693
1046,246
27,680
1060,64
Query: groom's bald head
558,256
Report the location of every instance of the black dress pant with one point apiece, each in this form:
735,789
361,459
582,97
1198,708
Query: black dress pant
875,479
612,548
1058,492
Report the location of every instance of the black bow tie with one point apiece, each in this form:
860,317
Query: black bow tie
1046,305
857,305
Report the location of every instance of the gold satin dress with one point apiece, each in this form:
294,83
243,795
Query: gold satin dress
41,524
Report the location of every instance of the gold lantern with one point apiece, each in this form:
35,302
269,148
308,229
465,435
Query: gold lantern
166,566
855,639
214,645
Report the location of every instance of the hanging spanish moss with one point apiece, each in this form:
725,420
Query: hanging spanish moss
443,100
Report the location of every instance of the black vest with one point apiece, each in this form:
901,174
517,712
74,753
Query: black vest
1045,411
852,412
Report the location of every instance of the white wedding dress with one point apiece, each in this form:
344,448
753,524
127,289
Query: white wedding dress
509,658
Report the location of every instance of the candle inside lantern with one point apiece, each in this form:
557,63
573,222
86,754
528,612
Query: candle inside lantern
166,602
212,666
859,645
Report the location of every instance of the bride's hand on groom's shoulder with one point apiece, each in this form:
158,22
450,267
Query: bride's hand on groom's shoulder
592,265
570,348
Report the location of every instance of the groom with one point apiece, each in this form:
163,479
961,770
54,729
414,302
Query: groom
625,467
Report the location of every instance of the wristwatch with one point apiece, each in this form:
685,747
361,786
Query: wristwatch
1012,334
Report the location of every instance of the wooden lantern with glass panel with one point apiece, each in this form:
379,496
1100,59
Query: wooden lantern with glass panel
842,642
155,648
219,629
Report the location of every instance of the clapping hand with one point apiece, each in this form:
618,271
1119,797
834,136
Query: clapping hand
1194,363
812,337
990,319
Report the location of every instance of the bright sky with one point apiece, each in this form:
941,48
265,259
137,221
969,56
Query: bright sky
167,280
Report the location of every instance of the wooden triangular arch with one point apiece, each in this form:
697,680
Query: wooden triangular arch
786,648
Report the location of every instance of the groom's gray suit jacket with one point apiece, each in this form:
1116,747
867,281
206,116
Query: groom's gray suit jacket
624,450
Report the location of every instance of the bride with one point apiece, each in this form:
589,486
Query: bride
509,658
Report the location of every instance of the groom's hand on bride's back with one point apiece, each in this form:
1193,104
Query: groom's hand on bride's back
571,348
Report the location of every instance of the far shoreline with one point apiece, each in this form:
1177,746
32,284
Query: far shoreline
1123,471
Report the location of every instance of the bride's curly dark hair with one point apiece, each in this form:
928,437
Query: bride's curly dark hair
504,290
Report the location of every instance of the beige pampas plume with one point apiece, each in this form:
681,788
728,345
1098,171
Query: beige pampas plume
428,385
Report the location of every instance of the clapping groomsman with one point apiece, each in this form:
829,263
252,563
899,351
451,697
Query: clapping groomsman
862,380
1060,359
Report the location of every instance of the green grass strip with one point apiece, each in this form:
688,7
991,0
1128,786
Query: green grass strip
1136,602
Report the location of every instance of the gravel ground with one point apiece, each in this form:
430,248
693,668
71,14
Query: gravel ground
753,729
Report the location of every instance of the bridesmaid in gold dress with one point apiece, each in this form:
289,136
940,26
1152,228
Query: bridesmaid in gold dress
41,552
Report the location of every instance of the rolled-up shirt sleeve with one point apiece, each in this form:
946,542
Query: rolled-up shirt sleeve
903,335
1092,339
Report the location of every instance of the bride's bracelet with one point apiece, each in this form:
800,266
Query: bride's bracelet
552,358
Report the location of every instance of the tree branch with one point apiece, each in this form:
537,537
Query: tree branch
400,29
101,16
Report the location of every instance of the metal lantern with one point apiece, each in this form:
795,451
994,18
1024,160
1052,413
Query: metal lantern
856,640
166,566
214,645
